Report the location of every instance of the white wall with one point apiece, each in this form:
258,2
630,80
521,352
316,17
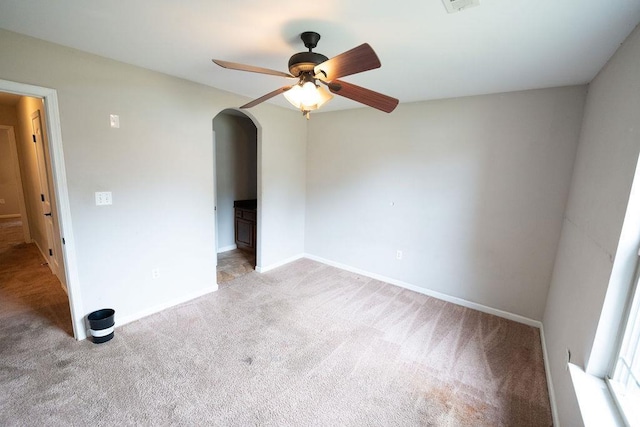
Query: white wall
603,174
281,185
472,190
159,166
236,170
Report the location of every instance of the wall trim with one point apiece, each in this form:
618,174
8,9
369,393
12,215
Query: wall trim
279,264
121,321
8,216
547,370
428,292
227,248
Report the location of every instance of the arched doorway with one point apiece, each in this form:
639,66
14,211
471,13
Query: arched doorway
236,194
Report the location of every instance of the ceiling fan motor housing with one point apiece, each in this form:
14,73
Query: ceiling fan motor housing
305,61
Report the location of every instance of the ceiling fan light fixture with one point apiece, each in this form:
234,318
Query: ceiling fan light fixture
309,67
307,96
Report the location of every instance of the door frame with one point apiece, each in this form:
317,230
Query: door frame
61,195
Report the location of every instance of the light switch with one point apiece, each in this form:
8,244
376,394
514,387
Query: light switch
114,119
103,198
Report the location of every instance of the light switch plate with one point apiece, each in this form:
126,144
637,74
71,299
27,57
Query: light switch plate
453,6
114,120
103,198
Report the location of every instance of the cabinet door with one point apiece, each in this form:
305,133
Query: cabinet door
245,233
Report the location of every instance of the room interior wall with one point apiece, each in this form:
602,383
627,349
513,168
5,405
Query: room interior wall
236,170
603,174
159,167
471,190
8,115
9,200
8,189
497,167
282,151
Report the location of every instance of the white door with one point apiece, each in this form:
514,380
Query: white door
53,250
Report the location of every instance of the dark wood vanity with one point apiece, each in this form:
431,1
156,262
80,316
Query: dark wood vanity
245,213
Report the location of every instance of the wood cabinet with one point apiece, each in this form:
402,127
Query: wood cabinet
245,224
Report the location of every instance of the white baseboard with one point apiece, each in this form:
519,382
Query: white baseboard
428,292
279,264
227,248
547,369
7,216
121,321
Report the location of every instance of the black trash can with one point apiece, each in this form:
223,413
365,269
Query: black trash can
101,323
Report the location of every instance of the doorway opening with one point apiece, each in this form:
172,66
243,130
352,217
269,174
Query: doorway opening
37,261
236,194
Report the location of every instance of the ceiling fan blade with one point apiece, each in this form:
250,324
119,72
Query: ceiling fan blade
365,96
250,68
356,60
267,96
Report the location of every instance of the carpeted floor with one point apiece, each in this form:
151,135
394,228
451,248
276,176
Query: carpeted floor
303,345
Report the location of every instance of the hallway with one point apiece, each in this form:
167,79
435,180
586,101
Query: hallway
30,294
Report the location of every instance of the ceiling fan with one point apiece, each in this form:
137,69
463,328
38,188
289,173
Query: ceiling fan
310,67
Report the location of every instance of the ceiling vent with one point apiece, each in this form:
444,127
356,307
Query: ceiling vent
453,6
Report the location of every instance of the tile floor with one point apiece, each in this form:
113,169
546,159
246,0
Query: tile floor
233,264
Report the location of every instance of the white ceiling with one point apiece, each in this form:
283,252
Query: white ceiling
499,46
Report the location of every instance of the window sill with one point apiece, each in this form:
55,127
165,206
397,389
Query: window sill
594,398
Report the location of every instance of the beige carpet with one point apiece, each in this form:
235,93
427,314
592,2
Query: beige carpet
303,345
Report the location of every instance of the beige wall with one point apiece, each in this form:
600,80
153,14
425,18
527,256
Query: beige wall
159,167
8,184
8,115
9,200
603,173
471,190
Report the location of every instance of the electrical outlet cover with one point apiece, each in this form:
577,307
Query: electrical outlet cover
103,198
